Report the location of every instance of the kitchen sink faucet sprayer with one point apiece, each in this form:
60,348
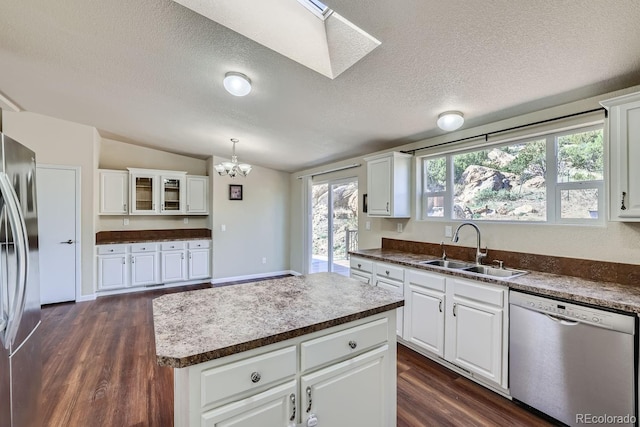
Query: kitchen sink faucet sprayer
479,254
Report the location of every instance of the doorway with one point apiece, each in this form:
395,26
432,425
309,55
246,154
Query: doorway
58,189
334,225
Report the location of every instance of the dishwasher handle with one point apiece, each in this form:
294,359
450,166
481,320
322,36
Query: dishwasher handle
562,321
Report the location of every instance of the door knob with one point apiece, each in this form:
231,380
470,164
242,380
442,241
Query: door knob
68,242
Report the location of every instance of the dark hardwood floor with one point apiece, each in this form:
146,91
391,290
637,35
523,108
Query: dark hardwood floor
99,370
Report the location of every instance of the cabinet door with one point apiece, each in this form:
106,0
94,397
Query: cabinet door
199,264
114,193
144,269
379,187
425,318
275,407
172,194
350,393
625,161
397,287
363,277
174,266
112,272
476,338
144,194
197,194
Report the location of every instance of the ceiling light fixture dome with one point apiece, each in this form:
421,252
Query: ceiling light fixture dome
237,84
450,120
233,168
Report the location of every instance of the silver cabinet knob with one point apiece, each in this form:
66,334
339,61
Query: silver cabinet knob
255,377
353,344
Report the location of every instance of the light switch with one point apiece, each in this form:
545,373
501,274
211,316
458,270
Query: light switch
186,220
125,221
367,225
399,227
223,227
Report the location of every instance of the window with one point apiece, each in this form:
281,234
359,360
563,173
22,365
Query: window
552,178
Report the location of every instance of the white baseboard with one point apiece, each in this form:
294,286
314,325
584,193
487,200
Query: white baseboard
150,288
82,298
252,276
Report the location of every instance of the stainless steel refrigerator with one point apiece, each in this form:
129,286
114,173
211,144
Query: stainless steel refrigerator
20,357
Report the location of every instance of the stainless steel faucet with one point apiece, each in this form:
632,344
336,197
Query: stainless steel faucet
479,254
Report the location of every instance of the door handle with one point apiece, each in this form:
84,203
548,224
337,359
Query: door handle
68,242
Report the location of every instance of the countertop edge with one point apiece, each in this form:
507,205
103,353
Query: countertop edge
183,362
129,242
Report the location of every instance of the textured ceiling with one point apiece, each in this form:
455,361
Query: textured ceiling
150,72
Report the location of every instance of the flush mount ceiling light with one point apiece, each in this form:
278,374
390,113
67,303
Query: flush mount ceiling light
237,84
450,120
233,168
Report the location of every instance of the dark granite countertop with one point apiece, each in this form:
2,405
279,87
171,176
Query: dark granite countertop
603,294
149,240
197,326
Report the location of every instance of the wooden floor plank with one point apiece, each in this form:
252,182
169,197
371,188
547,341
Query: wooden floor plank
99,369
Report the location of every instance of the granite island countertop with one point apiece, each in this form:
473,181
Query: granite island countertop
197,326
603,294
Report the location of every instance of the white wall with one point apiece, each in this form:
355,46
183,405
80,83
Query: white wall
63,143
120,155
257,227
613,242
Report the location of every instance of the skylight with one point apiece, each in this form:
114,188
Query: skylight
316,7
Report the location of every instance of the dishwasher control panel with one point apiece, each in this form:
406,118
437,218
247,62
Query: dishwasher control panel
574,312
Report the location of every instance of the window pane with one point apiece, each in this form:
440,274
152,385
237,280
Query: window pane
503,183
435,173
435,206
579,203
580,156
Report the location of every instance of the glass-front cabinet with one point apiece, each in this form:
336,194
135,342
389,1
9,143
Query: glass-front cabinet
157,192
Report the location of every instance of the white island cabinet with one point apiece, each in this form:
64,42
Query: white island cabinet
326,362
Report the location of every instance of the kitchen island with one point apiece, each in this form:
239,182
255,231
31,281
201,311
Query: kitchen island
291,351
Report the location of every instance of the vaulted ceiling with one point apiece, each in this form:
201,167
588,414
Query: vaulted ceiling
150,72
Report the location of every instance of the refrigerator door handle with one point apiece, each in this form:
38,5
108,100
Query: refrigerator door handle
21,244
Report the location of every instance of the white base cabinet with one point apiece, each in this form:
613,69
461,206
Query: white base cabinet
462,321
361,269
391,278
341,376
138,265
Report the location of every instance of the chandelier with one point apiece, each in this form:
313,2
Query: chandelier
233,168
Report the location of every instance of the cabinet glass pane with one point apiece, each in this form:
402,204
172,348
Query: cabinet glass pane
144,194
171,188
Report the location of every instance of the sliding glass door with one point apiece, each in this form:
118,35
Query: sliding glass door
334,225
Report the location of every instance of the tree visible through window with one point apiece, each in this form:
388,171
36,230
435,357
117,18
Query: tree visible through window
514,182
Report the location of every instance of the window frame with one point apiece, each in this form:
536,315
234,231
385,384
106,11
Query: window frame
554,188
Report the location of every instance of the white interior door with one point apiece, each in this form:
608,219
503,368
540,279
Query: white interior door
58,219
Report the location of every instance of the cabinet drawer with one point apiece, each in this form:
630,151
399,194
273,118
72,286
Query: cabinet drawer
426,280
493,295
199,244
334,346
361,264
173,246
390,271
144,247
111,249
238,377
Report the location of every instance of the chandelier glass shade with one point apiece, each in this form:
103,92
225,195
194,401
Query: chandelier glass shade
233,168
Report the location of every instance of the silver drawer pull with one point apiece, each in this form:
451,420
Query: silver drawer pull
387,271
353,344
359,265
292,397
309,401
255,377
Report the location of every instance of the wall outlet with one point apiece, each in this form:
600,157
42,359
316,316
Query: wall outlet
223,227
399,227
367,225
186,220
264,260
448,232
125,221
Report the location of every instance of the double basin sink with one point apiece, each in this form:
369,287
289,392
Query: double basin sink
483,270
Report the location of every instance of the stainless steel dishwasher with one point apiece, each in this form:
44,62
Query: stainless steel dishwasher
574,363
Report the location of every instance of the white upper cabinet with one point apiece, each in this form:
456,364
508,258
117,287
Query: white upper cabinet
388,185
197,195
114,192
157,192
624,143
